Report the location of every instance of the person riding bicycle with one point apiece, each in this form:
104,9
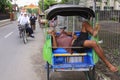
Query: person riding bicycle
24,21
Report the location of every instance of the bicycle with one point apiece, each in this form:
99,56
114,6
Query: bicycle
22,33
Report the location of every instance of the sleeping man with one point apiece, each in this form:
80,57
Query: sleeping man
68,40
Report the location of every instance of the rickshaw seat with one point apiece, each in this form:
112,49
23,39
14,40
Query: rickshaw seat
62,52
60,55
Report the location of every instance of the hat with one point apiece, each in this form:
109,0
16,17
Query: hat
21,13
25,13
63,27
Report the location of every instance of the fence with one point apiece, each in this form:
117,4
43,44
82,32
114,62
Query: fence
109,32
113,15
4,16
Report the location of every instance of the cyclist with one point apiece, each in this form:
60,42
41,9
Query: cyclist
24,20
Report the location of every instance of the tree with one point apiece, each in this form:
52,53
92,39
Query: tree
70,2
47,3
35,11
29,10
64,1
5,4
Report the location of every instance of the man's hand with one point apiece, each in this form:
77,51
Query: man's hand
97,27
96,30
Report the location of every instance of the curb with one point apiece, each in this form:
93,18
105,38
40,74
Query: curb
4,22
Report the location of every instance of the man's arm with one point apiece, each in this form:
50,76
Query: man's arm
54,42
19,19
28,20
35,18
90,29
96,29
69,33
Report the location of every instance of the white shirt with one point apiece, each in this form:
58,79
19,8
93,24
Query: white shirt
24,20
19,18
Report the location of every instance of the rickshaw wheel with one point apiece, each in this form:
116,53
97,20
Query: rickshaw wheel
48,71
90,75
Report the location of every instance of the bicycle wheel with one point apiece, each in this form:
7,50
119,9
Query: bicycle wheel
24,35
20,32
48,71
20,35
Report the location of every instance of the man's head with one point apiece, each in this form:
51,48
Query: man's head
32,14
25,14
63,27
50,30
21,14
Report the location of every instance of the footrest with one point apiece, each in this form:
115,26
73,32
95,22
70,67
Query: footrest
82,65
62,66
74,54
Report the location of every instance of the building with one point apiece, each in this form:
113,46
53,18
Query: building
102,4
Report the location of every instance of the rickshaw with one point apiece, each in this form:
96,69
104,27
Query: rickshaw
42,20
57,59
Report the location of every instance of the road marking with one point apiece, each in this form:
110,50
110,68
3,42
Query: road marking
8,35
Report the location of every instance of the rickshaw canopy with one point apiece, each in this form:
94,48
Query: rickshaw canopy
69,10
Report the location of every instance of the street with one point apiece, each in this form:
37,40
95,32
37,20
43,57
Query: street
18,60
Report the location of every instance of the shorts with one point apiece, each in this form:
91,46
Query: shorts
77,43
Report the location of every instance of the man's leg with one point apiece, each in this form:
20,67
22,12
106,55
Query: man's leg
99,51
34,27
30,31
86,27
31,26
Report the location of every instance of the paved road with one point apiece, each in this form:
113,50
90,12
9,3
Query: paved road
17,60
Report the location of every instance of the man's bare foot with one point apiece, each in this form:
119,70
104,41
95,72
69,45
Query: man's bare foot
113,68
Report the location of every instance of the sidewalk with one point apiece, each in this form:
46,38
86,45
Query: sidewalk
5,22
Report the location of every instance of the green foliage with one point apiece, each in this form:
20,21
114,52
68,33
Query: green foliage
9,5
70,1
35,11
29,10
64,1
46,3
5,4
32,11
